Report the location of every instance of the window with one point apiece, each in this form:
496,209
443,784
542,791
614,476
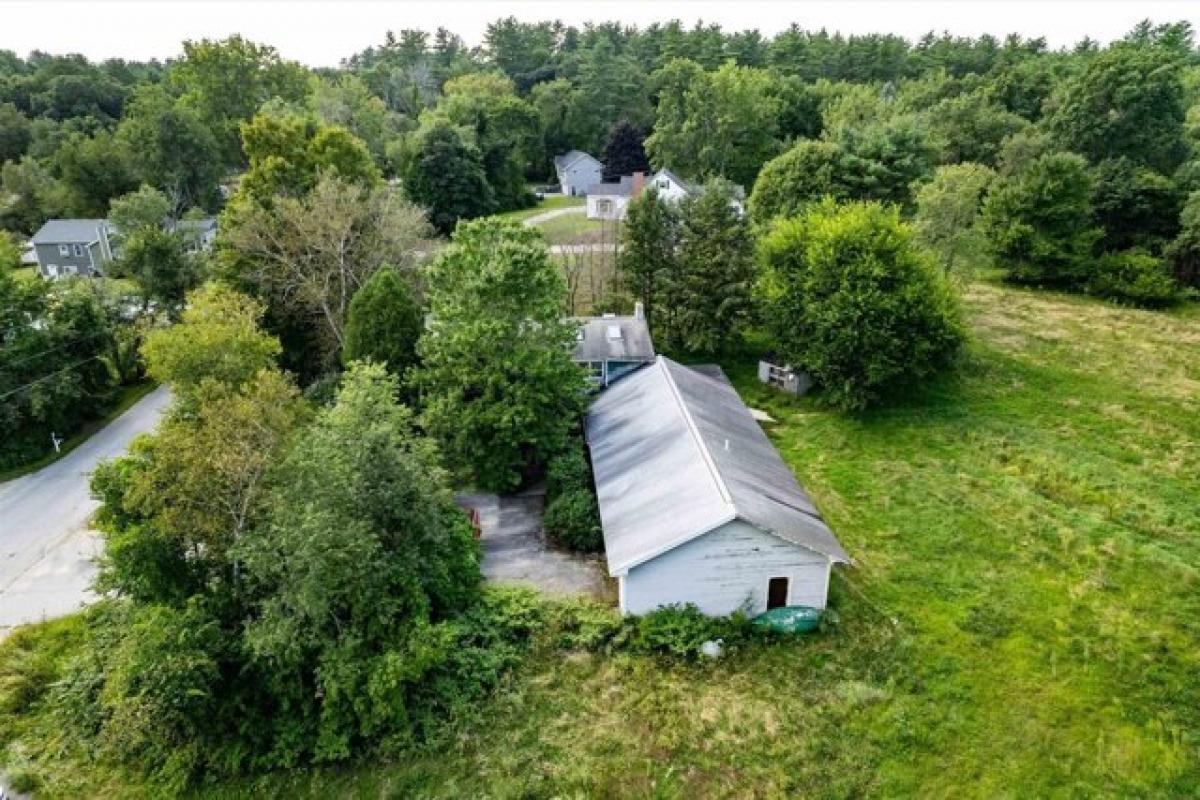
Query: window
78,250
604,206
64,249
777,593
663,183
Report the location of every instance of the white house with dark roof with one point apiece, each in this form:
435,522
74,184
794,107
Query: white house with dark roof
696,504
73,247
610,199
577,172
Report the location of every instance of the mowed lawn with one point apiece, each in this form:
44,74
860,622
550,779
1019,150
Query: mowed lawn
1023,619
551,202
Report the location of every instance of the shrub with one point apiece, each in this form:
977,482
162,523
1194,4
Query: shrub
679,631
568,470
573,521
852,300
1135,276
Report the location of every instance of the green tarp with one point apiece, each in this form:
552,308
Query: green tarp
790,619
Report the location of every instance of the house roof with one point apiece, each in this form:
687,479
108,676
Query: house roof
676,454
621,188
613,338
69,231
565,160
666,173
200,225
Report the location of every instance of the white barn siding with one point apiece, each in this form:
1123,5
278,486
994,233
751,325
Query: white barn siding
724,571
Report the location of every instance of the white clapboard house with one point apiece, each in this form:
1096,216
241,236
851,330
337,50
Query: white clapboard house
696,504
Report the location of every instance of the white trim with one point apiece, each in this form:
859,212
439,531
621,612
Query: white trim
624,568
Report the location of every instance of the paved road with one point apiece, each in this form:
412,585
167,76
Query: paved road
46,549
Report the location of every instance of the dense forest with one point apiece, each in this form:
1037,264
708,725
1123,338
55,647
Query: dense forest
290,582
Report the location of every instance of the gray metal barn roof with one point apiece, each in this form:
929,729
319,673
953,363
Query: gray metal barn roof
613,338
676,454
69,231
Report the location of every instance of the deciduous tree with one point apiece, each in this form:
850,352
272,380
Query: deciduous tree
1039,220
498,388
309,255
949,219
852,300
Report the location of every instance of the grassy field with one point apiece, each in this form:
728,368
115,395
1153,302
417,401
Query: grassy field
551,202
1023,619
578,229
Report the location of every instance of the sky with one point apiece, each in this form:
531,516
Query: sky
322,32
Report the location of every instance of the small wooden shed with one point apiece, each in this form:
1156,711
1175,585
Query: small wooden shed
696,504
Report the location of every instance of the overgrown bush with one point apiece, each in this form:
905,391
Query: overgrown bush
573,521
679,631
572,518
851,299
1136,277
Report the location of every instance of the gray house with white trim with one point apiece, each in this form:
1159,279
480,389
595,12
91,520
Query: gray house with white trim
610,347
577,171
696,504
73,247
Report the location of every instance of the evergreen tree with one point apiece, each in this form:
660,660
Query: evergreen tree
648,259
384,323
445,174
716,257
624,153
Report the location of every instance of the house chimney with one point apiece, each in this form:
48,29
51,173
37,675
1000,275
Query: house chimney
639,180
639,310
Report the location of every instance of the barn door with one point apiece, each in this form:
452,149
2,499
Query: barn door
777,593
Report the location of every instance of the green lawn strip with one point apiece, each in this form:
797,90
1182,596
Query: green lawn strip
126,398
549,203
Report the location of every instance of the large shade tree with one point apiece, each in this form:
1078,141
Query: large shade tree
851,299
309,255
498,388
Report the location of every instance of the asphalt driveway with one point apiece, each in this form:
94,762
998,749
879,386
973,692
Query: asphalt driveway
515,550
46,547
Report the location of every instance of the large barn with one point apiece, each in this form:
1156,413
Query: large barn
696,504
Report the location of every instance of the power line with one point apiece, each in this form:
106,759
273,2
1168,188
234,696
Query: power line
92,335
46,377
